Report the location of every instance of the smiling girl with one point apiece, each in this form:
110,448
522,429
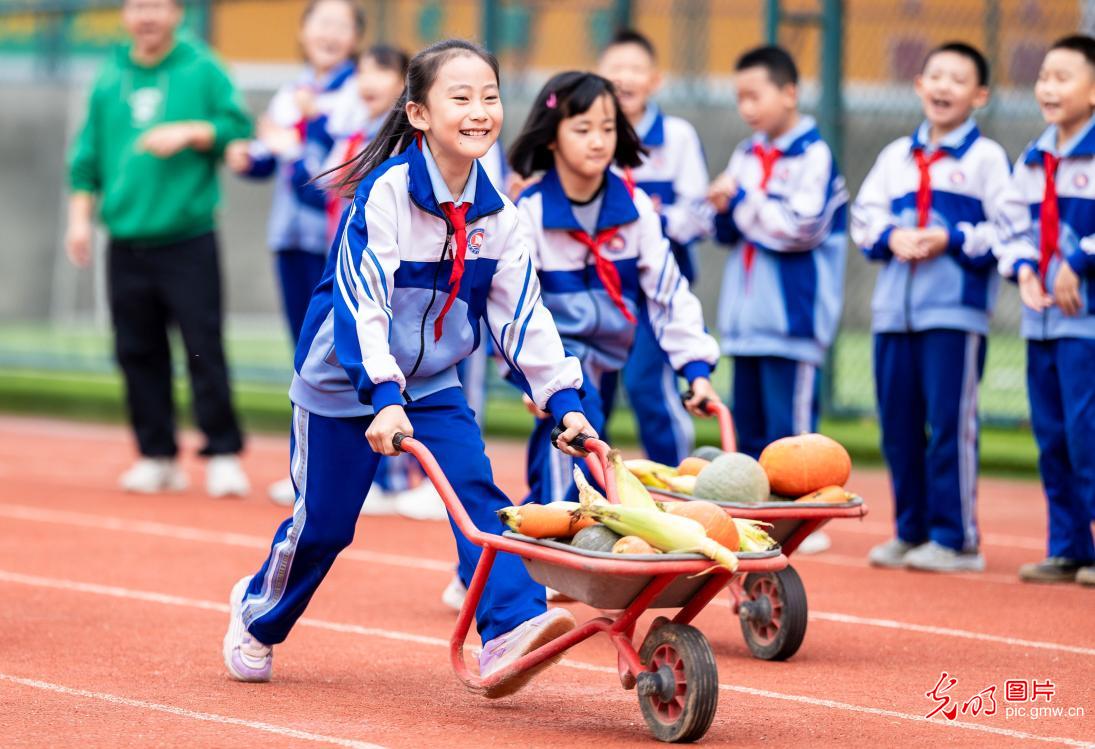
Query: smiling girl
425,250
601,256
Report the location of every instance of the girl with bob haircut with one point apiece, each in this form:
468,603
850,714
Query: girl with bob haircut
603,262
426,248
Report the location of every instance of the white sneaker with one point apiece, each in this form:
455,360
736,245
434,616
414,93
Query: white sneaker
282,492
225,477
154,475
454,594
421,503
815,543
890,554
502,651
380,502
246,658
934,557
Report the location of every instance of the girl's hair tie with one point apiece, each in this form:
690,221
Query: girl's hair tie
551,102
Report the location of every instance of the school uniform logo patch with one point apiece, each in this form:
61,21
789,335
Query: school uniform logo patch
475,241
958,177
1080,180
617,243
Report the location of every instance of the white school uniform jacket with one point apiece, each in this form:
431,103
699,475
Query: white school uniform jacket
955,290
368,337
591,325
675,172
788,304
296,223
1021,229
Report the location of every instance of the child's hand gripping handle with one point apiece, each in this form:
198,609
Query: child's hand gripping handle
579,441
704,405
726,420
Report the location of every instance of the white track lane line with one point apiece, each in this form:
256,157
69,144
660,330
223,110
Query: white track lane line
185,533
182,712
162,598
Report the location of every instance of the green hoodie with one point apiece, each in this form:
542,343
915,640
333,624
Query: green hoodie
144,197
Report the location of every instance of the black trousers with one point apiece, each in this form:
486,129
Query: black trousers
150,288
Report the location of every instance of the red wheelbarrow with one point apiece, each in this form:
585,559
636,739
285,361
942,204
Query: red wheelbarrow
770,604
673,670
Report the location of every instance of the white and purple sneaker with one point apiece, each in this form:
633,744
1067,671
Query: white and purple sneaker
246,658
505,649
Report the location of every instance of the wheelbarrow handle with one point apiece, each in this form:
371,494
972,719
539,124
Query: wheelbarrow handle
397,440
578,442
705,404
726,420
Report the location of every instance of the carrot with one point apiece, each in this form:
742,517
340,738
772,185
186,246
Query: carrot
555,520
633,545
830,494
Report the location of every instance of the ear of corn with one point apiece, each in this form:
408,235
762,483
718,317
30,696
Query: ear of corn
681,484
631,491
651,474
753,536
587,495
663,531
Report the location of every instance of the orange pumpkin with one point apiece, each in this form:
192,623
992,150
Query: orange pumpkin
805,463
719,526
692,466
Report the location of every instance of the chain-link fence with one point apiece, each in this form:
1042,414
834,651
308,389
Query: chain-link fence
51,316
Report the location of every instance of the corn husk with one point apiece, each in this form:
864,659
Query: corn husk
662,530
753,536
649,473
631,491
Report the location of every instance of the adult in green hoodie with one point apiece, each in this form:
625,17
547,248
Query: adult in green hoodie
159,117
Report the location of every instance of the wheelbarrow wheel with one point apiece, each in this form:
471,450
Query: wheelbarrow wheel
773,614
679,692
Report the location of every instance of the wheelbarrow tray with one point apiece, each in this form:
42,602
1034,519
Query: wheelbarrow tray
619,589
786,517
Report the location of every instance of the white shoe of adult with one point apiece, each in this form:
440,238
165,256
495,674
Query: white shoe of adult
421,503
454,594
282,492
154,475
224,477
380,502
815,543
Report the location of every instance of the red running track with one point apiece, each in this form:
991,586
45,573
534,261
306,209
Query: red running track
114,608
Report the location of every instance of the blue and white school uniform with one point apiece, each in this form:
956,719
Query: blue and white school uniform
473,370
1060,349
374,337
597,317
674,173
930,320
297,230
782,290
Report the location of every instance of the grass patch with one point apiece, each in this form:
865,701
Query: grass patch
265,408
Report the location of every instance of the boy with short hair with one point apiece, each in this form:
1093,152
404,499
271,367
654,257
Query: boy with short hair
674,175
782,208
1049,248
926,211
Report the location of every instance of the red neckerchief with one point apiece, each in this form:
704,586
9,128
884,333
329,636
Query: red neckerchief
457,216
768,158
1049,216
924,190
606,270
334,200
